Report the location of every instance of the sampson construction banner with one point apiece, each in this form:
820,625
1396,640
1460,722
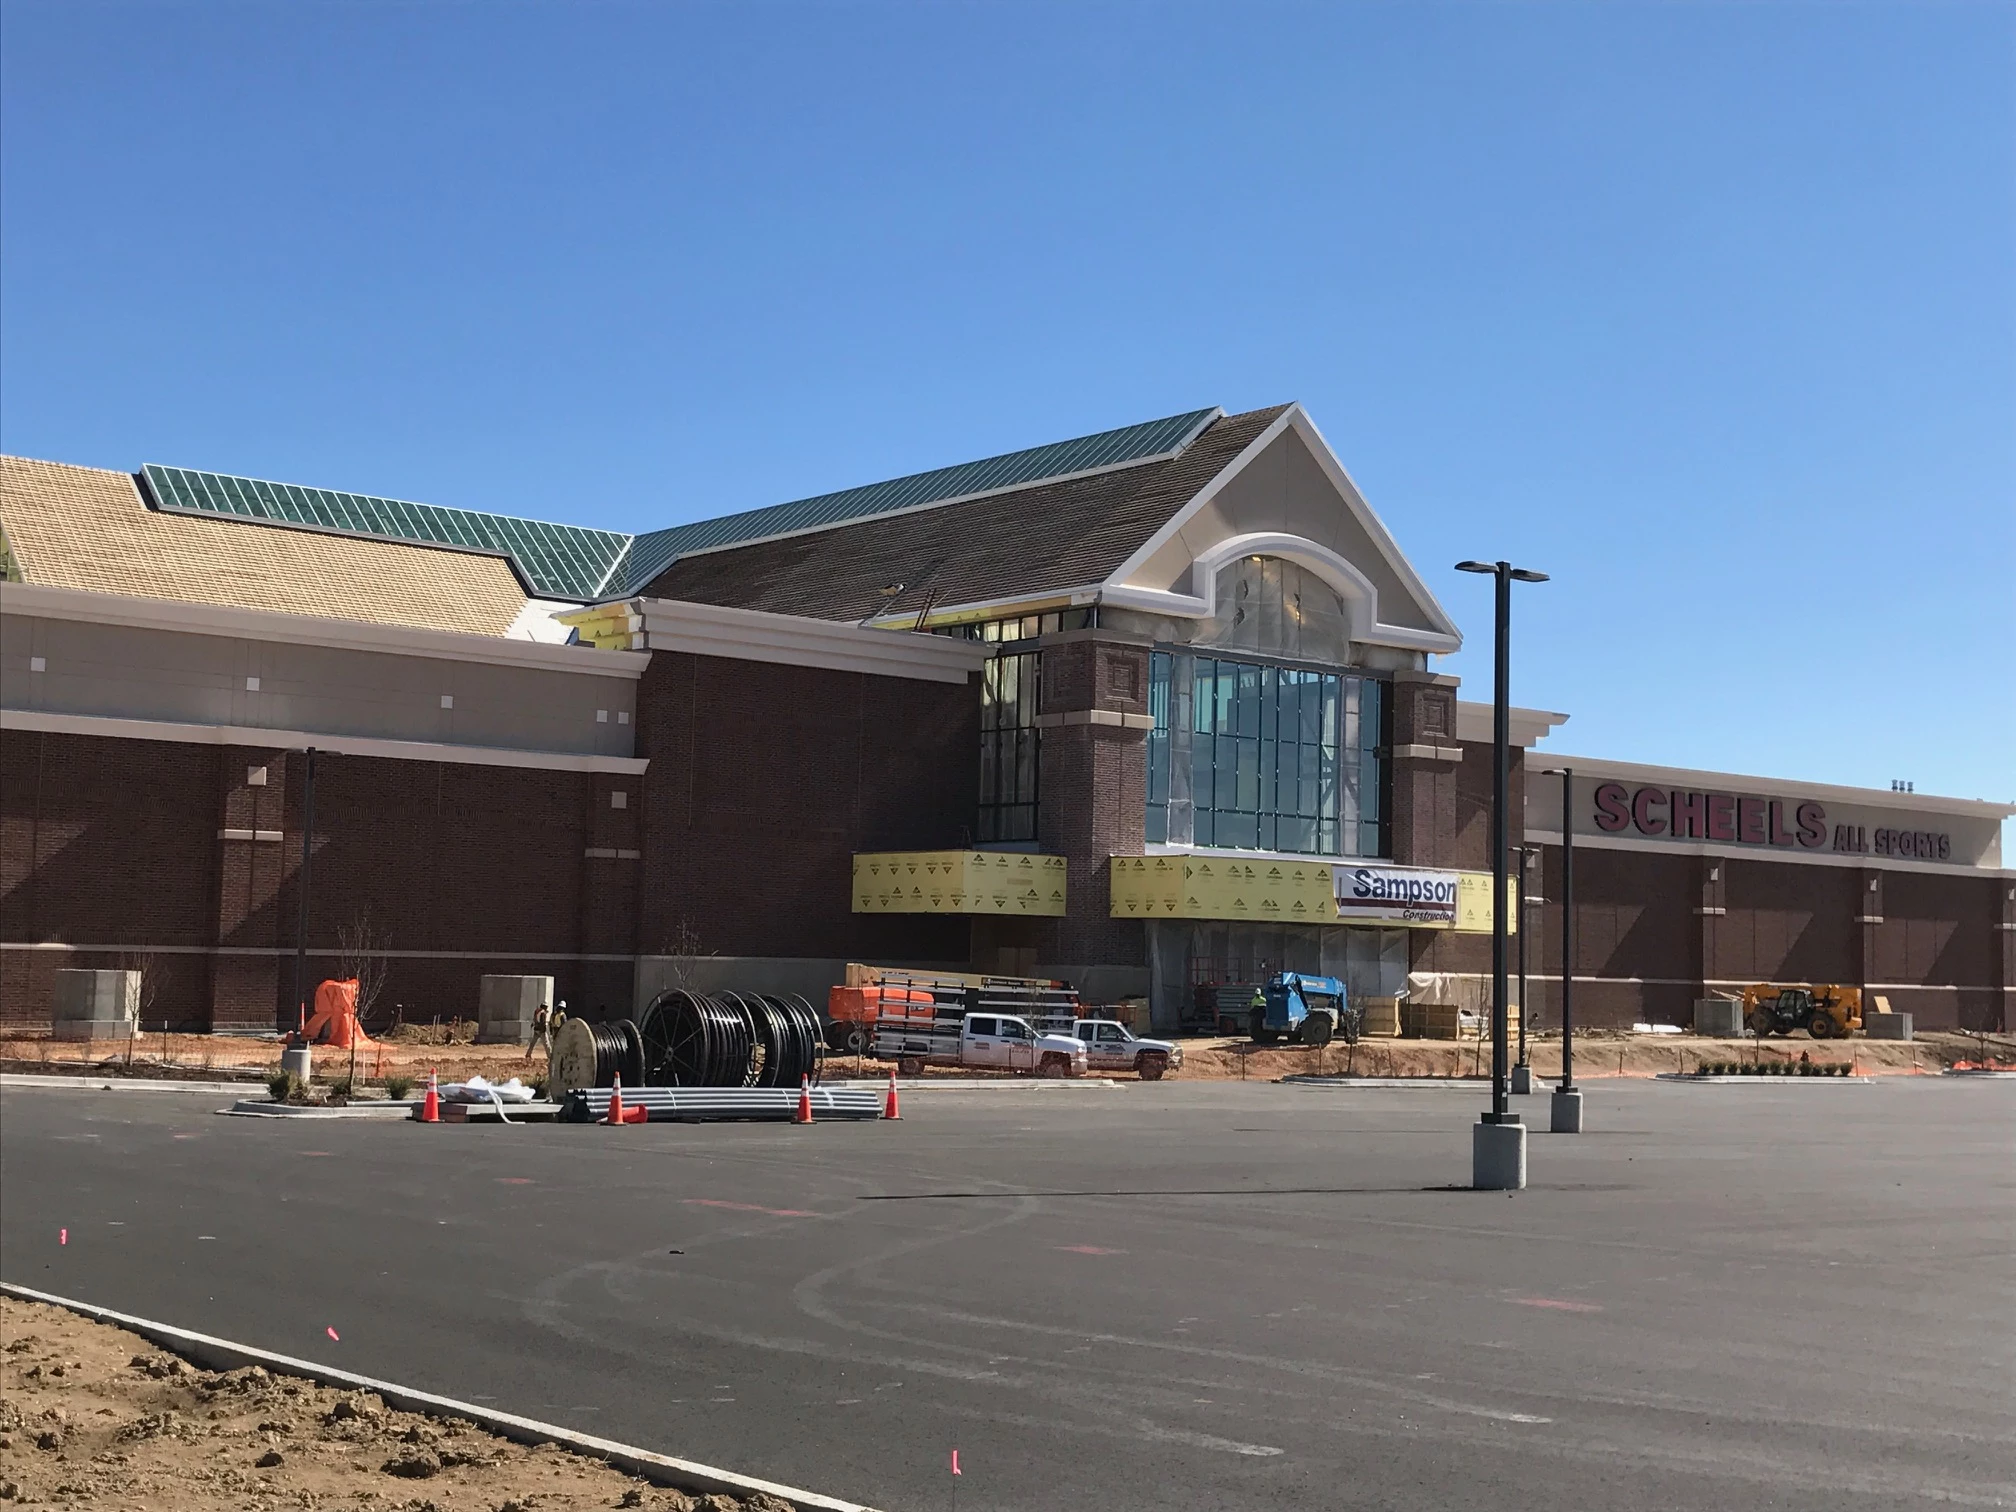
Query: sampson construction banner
1302,892
959,882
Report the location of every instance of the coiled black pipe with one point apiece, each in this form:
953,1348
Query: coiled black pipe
618,1052
729,1039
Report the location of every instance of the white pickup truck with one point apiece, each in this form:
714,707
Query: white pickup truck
1111,1046
993,1041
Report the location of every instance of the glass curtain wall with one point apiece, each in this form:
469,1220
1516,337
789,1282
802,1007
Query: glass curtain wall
1249,756
1010,743
1008,746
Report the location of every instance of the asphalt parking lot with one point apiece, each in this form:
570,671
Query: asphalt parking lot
1173,1296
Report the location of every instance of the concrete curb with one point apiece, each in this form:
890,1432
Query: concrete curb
664,1469
1763,1081
386,1111
123,1084
983,1084
1981,1075
1353,1083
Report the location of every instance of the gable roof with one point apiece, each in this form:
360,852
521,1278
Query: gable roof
1034,540
87,528
580,563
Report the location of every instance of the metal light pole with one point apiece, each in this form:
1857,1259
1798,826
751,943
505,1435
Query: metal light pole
1567,1110
1522,1069
1498,1145
307,852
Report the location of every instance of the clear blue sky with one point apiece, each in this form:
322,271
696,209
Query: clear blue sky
1708,310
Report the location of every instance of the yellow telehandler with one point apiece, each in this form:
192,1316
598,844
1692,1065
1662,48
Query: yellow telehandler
1825,1011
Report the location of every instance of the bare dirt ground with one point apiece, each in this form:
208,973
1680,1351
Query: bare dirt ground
92,1416
206,1056
1598,1053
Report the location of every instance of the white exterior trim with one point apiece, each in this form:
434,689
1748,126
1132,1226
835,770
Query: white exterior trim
1443,637
1529,726
794,640
39,601
294,740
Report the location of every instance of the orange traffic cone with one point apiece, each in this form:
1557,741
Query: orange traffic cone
430,1105
615,1101
804,1113
889,1109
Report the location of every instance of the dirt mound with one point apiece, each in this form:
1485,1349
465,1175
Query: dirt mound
90,1413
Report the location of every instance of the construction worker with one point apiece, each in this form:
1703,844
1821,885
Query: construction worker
539,1028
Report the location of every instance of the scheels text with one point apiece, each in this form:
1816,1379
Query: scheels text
1752,821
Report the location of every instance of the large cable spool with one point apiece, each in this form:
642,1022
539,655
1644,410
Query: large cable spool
690,1039
594,1055
795,1042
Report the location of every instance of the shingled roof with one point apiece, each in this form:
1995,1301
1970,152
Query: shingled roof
83,527
1021,544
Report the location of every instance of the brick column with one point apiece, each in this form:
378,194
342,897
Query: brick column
1093,793
1423,762
2003,917
258,852
1710,884
1868,922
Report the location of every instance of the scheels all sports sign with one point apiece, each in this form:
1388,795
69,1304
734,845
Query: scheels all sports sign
1743,819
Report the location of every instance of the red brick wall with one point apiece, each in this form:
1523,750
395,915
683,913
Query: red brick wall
764,782
1093,791
116,842
1636,916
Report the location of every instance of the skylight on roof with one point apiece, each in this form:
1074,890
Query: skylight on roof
575,562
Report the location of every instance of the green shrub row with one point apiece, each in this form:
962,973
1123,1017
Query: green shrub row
1770,1068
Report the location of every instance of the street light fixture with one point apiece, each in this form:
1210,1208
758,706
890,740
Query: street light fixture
1498,1144
1567,1111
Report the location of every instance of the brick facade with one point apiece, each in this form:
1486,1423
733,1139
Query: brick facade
1657,931
764,781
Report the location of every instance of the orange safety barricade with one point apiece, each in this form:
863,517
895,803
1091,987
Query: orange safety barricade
335,1019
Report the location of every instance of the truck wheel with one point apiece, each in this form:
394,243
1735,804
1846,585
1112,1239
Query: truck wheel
1760,1023
836,1035
910,1065
1151,1067
1820,1026
1316,1030
1054,1065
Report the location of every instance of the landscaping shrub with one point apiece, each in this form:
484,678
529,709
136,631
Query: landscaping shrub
282,1086
398,1088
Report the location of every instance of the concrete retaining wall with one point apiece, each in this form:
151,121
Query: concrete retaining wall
95,1004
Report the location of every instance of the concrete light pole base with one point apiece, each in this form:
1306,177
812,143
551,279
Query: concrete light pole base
1522,1080
1498,1157
1567,1112
296,1062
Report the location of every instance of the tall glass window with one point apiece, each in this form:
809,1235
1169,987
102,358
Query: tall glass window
1249,756
1008,746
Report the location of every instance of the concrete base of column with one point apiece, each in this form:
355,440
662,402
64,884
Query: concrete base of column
1522,1080
1498,1157
1567,1112
297,1062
